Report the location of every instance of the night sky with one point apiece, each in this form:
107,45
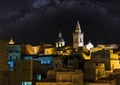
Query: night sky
39,21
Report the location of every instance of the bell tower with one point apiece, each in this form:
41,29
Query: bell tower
78,37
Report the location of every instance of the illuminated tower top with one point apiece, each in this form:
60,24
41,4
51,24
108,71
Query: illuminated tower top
11,42
60,34
78,28
60,41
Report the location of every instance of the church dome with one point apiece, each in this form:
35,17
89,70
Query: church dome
89,45
60,41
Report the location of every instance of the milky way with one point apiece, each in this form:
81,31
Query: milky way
32,21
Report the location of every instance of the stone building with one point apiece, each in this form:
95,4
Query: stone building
63,77
26,72
3,62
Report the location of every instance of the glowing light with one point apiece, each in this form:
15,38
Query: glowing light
26,83
32,49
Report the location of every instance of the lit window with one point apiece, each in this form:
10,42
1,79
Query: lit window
45,60
42,61
26,83
38,77
48,61
11,65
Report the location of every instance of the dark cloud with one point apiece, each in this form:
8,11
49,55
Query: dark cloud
42,18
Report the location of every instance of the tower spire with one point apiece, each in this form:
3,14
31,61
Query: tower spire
60,34
78,28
